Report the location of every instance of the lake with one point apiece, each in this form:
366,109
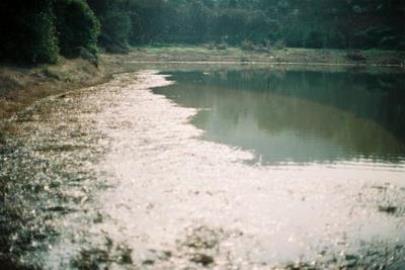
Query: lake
213,167
299,117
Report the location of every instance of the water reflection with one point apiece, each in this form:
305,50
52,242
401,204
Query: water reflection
298,116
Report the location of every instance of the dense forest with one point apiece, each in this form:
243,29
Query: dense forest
38,31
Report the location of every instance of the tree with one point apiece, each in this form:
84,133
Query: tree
114,16
77,27
28,35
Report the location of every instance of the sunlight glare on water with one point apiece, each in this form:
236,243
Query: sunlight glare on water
167,181
176,168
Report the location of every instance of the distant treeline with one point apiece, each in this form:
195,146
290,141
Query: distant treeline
40,30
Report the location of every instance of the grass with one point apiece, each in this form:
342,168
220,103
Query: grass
21,86
185,53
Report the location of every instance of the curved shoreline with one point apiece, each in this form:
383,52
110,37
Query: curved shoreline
148,190
25,85
170,187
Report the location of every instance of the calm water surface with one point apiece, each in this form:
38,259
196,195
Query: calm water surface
299,116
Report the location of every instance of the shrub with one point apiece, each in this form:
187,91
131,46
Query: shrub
87,55
247,45
222,46
279,45
116,27
77,27
29,34
43,46
209,46
355,56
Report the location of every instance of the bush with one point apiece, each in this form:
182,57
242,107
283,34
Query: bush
77,27
116,27
28,35
279,45
355,56
222,46
87,55
247,45
209,46
43,46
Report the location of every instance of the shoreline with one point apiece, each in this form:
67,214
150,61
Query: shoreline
21,86
287,56
129,132
61,133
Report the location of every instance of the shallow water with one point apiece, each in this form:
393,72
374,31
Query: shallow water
209,170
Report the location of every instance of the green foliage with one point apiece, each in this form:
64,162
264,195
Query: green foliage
34,31
116,30
77,27
279,44
29,34
247,45
39,29
116,20
41,32
309,23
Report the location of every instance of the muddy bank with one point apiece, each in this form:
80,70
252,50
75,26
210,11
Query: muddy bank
22,86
